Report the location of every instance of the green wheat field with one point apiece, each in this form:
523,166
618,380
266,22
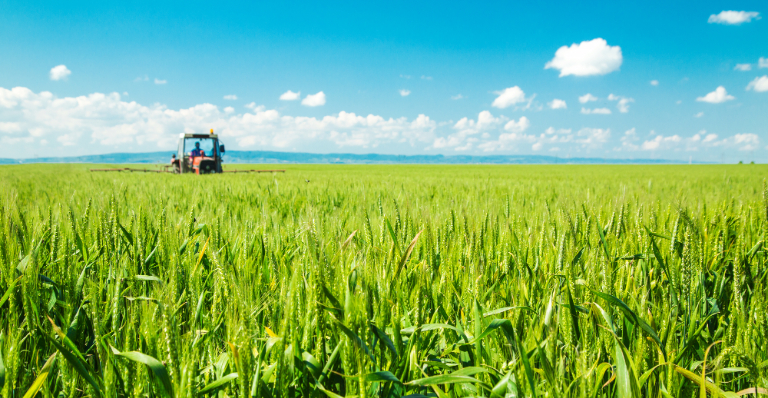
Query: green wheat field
385,281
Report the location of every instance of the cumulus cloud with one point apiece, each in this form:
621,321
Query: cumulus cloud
314,100
718,96
60,72
557,104
596,111
404,92
508,97
468,132
158,81
762,63
587,98
290,96
518,126
759,84
230,97
622,103
743,67
733,17
588,58
109,121
654,82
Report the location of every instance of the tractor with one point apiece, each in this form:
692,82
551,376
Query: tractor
198,153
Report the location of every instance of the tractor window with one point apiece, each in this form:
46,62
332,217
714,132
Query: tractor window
207,145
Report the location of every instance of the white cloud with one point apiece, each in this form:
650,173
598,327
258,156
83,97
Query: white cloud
158,81
700,114
508,97
426,77
716,97
587,98
457,97
107,122
654,82
518,126
659,142
557,104
698,141
743,67
314,99
254,107
551,130
628,141
592,137
762,63
404,92
733,17
144,78
290,95
60,72
596,111
594,57
622,102
230,97
759,84
467,129
537,146
746,142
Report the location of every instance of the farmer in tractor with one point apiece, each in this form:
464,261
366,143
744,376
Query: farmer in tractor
197,151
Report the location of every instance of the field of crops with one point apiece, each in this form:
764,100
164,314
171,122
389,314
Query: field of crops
385,281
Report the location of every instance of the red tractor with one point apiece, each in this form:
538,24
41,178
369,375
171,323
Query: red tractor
199,154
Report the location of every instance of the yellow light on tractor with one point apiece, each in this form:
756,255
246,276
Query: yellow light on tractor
211,131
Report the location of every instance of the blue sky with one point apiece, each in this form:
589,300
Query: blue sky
474,75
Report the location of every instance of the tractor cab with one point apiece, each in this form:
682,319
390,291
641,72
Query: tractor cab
199,154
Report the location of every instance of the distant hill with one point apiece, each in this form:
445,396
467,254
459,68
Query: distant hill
263,157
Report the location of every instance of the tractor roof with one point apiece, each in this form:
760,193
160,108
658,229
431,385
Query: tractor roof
183,135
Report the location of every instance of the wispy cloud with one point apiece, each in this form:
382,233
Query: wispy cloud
596,111
230,97
587,98
404,92
158,81
622,102
733,17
